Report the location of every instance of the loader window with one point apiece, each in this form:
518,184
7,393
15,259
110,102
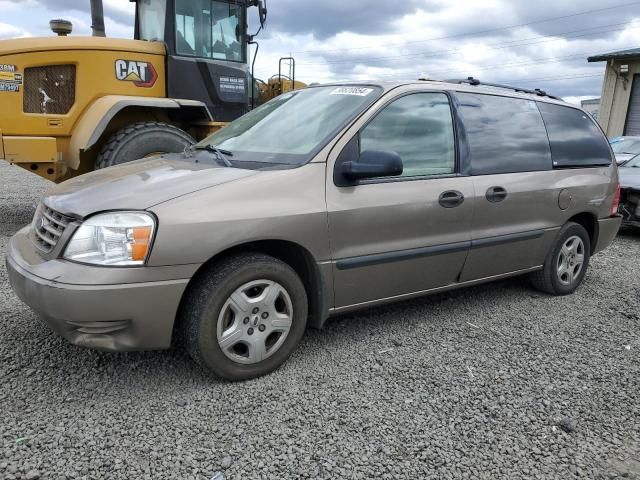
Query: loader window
210,29
152,14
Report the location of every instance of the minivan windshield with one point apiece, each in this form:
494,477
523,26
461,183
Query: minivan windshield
292,127
627,146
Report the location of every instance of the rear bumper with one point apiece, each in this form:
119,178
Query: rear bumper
114,317
607,231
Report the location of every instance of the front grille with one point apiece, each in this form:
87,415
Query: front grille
49,90
48,227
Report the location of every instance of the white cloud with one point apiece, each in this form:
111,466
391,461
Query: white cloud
494,40
9,31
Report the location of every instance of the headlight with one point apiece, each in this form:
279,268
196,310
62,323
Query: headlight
118,238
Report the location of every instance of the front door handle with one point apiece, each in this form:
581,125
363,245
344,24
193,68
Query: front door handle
496,194
451,198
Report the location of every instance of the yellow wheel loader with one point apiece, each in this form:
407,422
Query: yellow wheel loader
71,104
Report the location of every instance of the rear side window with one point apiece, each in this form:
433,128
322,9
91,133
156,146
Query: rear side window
575,139
505,134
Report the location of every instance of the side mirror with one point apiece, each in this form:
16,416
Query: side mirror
373,164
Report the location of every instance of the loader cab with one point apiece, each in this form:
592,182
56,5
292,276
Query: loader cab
206,50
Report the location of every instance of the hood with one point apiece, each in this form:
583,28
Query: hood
73,42
138,185
623,157
629,177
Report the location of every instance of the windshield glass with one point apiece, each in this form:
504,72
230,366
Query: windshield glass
210,29
290,128
151,18
628,145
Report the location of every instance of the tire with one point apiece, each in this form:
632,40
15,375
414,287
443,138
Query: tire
140,140
209,313
560,274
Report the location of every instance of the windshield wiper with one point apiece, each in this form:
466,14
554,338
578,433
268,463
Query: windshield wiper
220,154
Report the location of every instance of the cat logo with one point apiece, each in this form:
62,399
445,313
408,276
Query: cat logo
142,74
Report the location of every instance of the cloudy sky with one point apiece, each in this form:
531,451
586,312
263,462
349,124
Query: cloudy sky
537,44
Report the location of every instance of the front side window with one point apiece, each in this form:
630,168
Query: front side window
290,128
505,134
210,29
151,19
419,128
575,139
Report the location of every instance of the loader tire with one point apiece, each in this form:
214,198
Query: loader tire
140,140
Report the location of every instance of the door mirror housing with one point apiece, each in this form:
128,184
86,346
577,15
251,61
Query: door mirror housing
373,164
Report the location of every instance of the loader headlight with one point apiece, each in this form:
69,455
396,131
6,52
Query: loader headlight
113,239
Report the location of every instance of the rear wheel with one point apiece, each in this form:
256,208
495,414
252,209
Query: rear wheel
140,140
566,264
245,317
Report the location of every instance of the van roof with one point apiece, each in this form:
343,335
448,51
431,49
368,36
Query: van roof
465,86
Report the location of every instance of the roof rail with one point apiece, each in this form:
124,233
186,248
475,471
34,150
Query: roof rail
475,82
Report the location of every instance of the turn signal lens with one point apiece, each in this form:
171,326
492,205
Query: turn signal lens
140,243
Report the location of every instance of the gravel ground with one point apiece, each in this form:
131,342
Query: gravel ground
496,381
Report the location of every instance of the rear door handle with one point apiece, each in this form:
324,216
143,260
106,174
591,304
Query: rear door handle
451,198
496,194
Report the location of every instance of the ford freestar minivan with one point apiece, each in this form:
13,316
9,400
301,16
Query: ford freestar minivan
323,200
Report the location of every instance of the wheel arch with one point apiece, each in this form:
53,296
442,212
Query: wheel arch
590,223
106,114
294,255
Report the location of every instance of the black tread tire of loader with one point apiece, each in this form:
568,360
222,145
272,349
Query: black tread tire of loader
141,139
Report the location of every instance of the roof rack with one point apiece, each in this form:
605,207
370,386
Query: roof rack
475,82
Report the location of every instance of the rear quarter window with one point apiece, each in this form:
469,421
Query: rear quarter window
505,134
576,141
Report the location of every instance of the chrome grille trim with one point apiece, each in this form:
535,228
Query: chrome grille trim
48,227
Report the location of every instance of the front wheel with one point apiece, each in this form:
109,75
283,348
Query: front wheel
245,317
566,264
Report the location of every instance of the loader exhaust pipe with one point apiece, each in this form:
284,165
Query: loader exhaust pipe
97,18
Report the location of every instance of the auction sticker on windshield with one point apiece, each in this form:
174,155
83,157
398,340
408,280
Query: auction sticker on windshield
358,91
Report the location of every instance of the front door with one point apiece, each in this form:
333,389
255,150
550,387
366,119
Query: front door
391,237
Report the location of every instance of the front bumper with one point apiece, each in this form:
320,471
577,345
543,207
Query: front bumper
114,317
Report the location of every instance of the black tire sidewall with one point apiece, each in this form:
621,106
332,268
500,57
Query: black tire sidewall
209,352
140,140
570,230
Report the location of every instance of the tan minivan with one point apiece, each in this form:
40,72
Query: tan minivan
324,200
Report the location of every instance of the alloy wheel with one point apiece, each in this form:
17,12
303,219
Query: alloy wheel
570,260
